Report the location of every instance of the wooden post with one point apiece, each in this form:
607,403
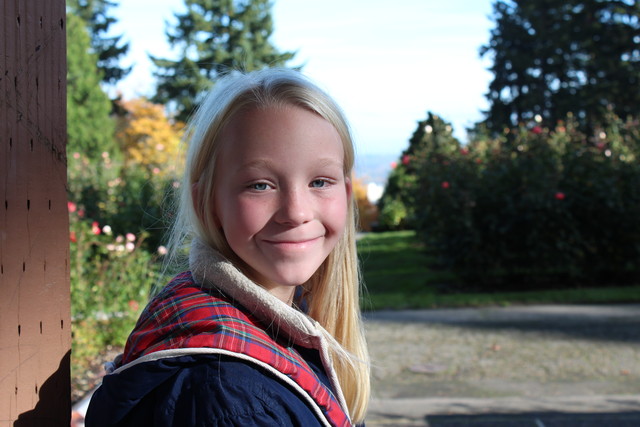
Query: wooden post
35,324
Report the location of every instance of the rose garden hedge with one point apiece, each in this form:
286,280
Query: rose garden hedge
531,208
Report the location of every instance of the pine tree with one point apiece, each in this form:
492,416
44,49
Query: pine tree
109,50
214,37
554,57
90,129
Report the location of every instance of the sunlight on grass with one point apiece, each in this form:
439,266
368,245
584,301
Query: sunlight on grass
398,274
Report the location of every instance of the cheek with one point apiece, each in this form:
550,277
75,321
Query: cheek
337,215
240,219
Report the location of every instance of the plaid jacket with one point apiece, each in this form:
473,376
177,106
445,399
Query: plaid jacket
187,319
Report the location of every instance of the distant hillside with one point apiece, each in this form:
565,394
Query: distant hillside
374,167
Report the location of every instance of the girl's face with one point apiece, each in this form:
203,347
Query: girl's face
281,196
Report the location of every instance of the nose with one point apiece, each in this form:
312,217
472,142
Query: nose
295,208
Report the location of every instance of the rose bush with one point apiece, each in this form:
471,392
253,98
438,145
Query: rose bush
115,251
534,207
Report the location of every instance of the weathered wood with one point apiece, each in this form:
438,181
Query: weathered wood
35,325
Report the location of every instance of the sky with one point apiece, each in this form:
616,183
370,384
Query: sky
387,63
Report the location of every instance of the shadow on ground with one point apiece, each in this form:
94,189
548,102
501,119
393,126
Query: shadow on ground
607,323
622,419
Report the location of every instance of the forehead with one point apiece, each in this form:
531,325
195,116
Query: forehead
285,130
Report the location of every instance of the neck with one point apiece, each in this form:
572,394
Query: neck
283,293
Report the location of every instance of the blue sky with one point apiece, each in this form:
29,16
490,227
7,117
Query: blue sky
386,63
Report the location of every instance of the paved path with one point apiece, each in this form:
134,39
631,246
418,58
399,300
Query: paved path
536,366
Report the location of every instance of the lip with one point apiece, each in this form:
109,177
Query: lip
292,244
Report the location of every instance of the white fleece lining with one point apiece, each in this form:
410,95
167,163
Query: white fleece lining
178,352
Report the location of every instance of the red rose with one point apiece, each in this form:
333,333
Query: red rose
406,159
445,184
560,195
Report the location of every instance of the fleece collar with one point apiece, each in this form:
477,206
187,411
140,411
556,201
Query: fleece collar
211,270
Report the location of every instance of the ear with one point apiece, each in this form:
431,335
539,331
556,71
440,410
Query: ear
349,187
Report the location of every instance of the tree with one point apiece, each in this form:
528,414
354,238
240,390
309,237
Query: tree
431,141
214,37
90,129
108,49
554,57
148,138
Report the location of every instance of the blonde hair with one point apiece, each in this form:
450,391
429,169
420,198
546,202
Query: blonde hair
332,294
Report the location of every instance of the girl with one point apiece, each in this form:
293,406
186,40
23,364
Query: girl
264,327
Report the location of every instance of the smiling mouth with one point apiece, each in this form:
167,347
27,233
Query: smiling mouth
292,244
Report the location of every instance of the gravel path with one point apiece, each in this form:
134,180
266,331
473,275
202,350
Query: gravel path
527,351
543,352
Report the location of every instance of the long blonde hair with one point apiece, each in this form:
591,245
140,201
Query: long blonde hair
333,292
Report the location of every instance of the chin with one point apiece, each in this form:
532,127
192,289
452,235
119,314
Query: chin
277,279
293,274
293,280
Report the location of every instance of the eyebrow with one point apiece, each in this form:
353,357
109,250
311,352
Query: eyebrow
264,163
330,162
256,164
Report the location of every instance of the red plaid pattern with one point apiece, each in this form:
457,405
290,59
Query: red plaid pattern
184,315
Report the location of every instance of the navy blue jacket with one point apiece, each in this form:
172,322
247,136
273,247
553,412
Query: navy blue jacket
202,390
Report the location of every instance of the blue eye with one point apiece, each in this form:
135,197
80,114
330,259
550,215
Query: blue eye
259,186
318,183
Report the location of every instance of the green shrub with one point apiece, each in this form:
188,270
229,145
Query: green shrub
115,251
128,199
535,207
397,206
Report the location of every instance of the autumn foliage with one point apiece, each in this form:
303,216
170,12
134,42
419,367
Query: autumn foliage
148,138
367,211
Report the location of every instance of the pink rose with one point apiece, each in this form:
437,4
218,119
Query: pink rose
95,228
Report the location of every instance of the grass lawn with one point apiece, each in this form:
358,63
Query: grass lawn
397,275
